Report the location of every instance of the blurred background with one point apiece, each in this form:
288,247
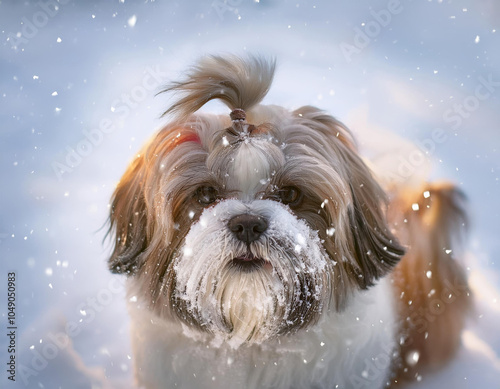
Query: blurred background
78,81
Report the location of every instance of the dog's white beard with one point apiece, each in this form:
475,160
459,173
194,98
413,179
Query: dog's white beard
249,302
238,306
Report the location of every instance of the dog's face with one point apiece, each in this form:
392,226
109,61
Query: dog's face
253,227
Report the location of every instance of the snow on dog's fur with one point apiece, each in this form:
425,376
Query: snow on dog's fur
259,251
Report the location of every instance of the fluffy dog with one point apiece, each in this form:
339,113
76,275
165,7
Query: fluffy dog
262,252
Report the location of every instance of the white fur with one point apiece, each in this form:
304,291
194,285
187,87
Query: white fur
256,303
352,349
250,177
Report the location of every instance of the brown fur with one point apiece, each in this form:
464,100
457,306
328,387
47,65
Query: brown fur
430,285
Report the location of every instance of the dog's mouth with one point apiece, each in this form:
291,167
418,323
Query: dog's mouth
249,262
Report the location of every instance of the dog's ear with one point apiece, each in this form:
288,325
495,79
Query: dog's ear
128,219
372,250
373,246
137,200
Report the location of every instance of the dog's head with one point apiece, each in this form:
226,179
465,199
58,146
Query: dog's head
248,225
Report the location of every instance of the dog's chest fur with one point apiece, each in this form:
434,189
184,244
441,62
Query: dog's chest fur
352,349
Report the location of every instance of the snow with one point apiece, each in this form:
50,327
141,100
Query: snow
62,72
210,285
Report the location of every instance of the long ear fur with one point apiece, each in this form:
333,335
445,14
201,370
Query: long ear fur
376,249
372,250
134,204
128,220
239,83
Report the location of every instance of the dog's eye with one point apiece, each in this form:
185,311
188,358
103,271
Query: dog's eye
290,195
206,195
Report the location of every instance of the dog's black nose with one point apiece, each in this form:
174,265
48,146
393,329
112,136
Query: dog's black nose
247,228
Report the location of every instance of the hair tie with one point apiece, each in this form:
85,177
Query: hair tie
238,115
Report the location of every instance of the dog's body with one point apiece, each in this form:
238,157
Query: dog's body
261,253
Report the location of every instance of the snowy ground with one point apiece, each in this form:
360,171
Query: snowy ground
93,67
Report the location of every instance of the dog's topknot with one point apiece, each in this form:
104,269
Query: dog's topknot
238,82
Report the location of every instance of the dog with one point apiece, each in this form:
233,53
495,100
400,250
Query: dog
262,251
